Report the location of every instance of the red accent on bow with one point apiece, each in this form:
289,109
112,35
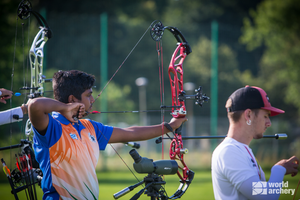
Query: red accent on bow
175,72
178,107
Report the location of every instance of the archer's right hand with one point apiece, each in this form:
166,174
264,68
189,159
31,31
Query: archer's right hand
291,165
5,94
74,111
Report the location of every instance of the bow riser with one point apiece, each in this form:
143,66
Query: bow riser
176,81
176,153
36,57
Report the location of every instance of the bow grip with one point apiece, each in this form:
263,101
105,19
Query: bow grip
178,130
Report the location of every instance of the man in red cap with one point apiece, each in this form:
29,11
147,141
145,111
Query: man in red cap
236,173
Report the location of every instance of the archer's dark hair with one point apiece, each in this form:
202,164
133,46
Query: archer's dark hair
73,82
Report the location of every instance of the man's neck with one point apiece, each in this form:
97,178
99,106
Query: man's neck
240,134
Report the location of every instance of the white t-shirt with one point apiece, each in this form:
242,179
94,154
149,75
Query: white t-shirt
232,164
7,115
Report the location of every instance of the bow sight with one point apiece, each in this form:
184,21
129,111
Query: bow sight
199,97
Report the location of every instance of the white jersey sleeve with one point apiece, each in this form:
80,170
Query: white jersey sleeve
255,189
7,115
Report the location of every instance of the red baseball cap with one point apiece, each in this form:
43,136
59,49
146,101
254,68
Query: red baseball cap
251,97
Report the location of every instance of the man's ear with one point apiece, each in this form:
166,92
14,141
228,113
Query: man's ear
247,114
72,99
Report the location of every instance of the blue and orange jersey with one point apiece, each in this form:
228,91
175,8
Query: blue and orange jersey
68,154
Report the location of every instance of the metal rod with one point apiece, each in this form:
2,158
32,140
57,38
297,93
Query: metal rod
280,136
129,111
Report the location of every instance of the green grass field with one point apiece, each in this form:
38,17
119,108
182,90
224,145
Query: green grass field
111,182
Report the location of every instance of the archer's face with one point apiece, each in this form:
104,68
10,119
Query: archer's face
87,99
261,122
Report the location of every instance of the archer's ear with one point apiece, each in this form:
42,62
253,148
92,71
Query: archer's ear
72,99
247,114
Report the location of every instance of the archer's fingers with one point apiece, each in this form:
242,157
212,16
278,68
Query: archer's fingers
294,160
294,173
2,101
81,111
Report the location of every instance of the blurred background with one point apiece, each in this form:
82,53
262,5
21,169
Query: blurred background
234,43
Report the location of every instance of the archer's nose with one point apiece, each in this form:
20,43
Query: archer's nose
92,100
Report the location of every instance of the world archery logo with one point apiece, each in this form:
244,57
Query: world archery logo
92,138
265,188
259,188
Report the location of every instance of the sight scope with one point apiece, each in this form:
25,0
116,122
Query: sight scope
146,165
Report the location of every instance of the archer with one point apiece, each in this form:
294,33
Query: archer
234,167
7,116
66,146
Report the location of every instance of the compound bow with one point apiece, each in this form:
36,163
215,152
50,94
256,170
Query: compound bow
175,72
28,173
178,109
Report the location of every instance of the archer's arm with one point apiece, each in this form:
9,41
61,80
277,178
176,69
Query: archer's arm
39,108
7,115
139,133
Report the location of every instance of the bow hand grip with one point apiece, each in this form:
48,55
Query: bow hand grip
178,130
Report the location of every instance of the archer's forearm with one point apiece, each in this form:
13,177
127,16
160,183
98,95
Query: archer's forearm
45,105
137,133
38,110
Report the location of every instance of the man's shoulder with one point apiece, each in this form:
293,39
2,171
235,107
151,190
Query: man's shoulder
227,147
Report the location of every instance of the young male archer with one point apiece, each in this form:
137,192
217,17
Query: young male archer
235,171
68,150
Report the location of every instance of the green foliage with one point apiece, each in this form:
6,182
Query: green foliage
118,100
276,28
111,182
198,69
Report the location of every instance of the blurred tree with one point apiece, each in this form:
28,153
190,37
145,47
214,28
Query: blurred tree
13,65
198,68
9,55
118,100
275,26
75,42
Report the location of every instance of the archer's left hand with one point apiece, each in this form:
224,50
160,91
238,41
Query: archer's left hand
177,122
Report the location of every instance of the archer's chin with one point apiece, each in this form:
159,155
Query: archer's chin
258,136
